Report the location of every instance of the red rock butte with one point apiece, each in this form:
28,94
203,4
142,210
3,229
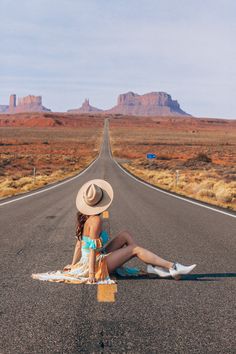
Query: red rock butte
29,103
130,103
85,108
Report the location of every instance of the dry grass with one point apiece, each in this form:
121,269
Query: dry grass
206,163
196,184
56,153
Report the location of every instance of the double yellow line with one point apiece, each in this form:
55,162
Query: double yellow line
106,292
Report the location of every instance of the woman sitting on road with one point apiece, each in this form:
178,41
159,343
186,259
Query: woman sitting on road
95,258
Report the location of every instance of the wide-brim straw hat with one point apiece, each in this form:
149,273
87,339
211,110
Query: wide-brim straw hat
94,197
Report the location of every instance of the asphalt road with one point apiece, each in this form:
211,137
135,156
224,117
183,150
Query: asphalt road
150,315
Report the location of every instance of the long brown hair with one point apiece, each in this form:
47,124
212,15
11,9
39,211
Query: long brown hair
81,218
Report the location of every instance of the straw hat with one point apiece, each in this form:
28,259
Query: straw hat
94,197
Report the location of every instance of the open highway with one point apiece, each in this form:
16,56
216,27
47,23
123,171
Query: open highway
149,315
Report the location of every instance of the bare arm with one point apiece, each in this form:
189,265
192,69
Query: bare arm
76,256
94,234
77,252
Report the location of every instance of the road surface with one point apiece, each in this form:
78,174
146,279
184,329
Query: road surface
150,315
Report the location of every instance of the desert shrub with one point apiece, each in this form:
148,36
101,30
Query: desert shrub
207,184
200,159
218,185
8,192
206,193
22,182
5,162
224,195
203,157
232,188
26,187
12,184
152,166
193,188
47,172
15,178
150,175
162,157
63,169
5,184
229,175
181,185
2,173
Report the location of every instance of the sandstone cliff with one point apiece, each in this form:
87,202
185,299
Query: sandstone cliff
25,104
149,104
30,104
130,103
85,108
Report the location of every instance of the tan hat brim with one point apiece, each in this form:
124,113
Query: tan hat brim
102,205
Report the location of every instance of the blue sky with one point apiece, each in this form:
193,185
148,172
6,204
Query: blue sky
67,50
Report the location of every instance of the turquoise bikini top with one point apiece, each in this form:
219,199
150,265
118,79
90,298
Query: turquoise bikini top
95,244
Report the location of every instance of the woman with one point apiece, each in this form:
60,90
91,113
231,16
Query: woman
94,258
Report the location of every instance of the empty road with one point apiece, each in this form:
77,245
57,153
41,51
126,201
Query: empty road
150,315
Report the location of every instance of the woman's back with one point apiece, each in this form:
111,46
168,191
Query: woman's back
90,223
88,239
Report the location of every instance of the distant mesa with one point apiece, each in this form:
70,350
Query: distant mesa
25,104
130,103
149,104
85,108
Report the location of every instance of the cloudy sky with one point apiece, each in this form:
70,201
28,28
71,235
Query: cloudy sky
66,50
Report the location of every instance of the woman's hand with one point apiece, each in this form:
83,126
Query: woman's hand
92,279
68,267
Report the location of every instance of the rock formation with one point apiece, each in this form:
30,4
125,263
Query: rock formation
130,103
30,104
12,103
149,104
85,108
25,104
30,100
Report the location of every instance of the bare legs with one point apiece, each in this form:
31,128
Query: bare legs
120,254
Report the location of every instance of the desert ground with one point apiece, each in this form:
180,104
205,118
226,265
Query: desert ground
38,149
195,157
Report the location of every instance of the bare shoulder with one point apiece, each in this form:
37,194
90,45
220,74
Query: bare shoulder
96,220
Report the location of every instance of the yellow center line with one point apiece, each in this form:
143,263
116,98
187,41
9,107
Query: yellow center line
105,215
106,292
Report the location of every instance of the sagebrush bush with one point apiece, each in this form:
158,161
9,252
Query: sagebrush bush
193,188
8,192
203,157
207,184
224,195
206,193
